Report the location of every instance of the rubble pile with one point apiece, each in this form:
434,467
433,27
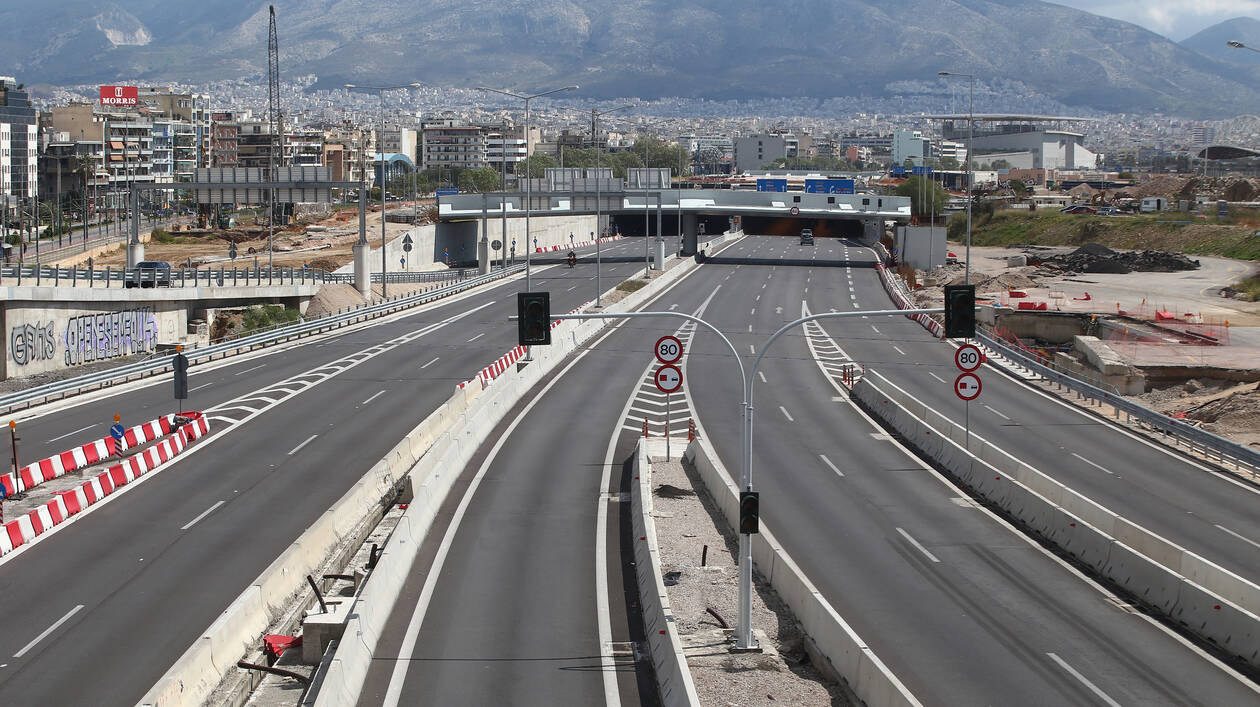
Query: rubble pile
1098,258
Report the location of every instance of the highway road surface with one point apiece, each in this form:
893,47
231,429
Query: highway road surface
113,598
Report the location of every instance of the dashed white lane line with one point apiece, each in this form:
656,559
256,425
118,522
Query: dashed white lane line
917,546
476,337
430,363
936,377
374,397
1094,464
247,370
752,311
762,376
758,298
898,350
827,461
874,329
1240,537
299,447
48,630
571,289
995,412
752,349
1084,680
203,385
786,414
81,429
204,513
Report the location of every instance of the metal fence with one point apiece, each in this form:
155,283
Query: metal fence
1180,433
208,277
159,364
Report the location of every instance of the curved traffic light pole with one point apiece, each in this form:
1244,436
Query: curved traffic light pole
744,639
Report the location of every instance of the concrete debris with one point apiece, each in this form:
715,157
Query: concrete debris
1098,258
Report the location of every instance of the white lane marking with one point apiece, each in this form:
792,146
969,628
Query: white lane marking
786,414
752,312
874,329
758,298
995,412
48,630
1084,680
308,441
898,350
255,368
430,363
936,376
917,546
750,328
374,397
1240,537
399,675
827,461
1094,464
204,513
763,285
752,349
674,306
571,289
762,375
203,385
54,439
476,337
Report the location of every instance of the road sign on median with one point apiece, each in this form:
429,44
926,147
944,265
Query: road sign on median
668,349
116,432
668,378
407,243
967,386
968,358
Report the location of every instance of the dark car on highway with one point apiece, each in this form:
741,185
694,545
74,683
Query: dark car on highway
150,273
807,236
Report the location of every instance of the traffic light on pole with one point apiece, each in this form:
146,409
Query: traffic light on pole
749,513
960,311
533,318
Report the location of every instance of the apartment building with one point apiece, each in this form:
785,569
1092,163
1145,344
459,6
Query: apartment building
446,143
19,146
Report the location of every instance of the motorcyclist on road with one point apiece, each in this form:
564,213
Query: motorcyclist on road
572,258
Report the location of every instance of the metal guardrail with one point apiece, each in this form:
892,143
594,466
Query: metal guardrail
140,369
193,277
1225,451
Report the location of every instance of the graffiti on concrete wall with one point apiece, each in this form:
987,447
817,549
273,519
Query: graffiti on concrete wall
33,342
93,337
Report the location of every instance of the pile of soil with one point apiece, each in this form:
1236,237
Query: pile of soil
1165,185
1238,412
998,282
1098,258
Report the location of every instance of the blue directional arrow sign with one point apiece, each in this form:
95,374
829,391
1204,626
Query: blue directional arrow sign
116,431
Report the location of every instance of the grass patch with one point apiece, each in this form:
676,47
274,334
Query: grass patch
632,285
1250,286
262,317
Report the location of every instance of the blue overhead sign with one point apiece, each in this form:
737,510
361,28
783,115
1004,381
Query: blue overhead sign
771,185
447,192
829,186
899,169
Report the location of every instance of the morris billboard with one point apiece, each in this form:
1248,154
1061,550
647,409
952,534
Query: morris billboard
119,95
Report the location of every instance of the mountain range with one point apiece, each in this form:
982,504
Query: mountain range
717,49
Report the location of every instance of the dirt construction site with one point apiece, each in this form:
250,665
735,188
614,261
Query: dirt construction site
1170,331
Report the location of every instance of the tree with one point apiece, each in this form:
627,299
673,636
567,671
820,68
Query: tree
481,179
662,154
948,163
1020,189
536,165
915,188
1001,164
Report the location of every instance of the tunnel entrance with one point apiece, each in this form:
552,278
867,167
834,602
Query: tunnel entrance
791,226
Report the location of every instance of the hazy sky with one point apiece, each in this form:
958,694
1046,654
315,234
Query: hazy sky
1175,19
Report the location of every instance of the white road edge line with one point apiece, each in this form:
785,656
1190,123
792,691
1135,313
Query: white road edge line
54,439
308,441
1094,464
1084,680
48,630
1240,537
917,546
204,513
827,461
374,397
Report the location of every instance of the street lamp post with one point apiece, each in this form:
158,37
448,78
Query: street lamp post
380,90
971,135
528,181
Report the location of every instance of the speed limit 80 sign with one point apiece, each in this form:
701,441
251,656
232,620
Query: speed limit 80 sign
668,349
968,358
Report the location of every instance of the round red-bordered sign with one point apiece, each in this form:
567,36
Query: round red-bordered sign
968,358
668,349
668,379
967,386
795,210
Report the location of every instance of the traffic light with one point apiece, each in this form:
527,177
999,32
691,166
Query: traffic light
749,510
180,367
960,311
533,318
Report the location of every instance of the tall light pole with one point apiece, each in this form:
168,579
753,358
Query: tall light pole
528,181
971,136
380,91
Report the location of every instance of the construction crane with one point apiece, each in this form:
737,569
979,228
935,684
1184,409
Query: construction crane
277,125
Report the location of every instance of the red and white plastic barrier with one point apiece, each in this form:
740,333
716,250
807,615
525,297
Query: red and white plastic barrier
579,244
903,302
504,362
25,528
61,464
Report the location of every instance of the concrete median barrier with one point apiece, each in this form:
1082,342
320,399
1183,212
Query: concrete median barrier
846,653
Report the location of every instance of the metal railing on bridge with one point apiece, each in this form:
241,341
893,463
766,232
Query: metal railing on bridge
19,275
158,364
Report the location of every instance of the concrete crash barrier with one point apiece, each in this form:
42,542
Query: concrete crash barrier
837,642
32,475
15,533
1210,602
673,676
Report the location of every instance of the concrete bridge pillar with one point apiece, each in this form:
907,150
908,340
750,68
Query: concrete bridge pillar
483,243
872,229
690,241
363,276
